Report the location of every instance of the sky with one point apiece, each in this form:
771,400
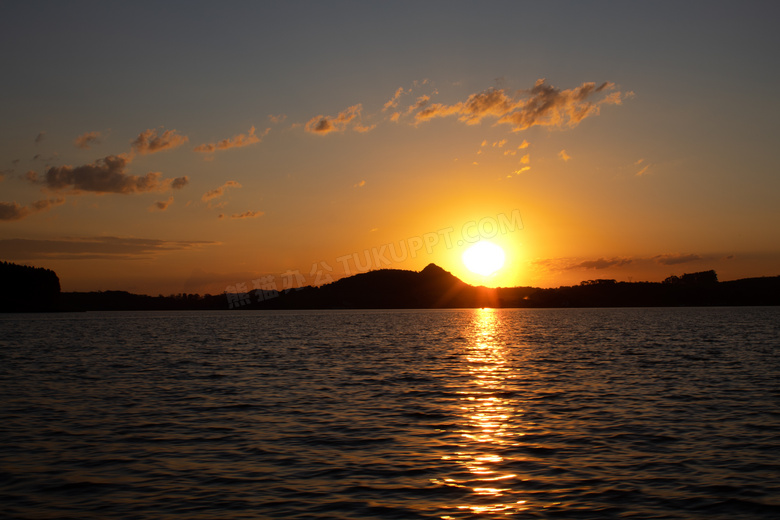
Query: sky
198,147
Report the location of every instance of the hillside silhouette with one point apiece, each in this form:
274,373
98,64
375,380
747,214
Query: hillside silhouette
28,289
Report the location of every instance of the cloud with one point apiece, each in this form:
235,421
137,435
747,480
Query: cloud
90,248
674,259
563,155
360,184
543,105
13,211
237,141
86,140
150,142
246,214
351,116
276,119
421,102
643,171
521,170
106,175
525,159
40,137
601,263
500,143
393,102
395,117
218,192
161,205
523,145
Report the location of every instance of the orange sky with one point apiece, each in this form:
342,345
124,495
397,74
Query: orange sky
193,152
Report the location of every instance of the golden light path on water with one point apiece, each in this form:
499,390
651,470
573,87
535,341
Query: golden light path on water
488,428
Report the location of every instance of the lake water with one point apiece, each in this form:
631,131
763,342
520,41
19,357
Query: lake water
555,413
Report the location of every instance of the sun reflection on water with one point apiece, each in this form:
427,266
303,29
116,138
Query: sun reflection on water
489,429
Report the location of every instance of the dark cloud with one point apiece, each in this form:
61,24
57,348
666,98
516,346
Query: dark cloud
40,137
162,205
237,141
674,259
150,142
86,140
14,211
246,214
92,248
106,175
602,263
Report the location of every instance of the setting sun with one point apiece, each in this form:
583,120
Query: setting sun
484,258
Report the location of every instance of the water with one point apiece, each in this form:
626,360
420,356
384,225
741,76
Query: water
591,413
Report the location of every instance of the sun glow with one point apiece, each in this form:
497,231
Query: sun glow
484,258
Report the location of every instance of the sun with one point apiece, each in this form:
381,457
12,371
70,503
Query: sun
484,258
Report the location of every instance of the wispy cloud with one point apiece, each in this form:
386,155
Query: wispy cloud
14,211
601,263
106,175
86,140
360,184
149,141
675,258
568,264
90,248
276,118
218,192
643,171
237,141
40,137
563,155
393,102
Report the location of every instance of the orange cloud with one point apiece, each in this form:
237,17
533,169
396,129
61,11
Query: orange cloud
277,119
13,211
393,102
218,192
85,141
149,142
106,175
237,141
563,155
326,124
543,105
643,171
